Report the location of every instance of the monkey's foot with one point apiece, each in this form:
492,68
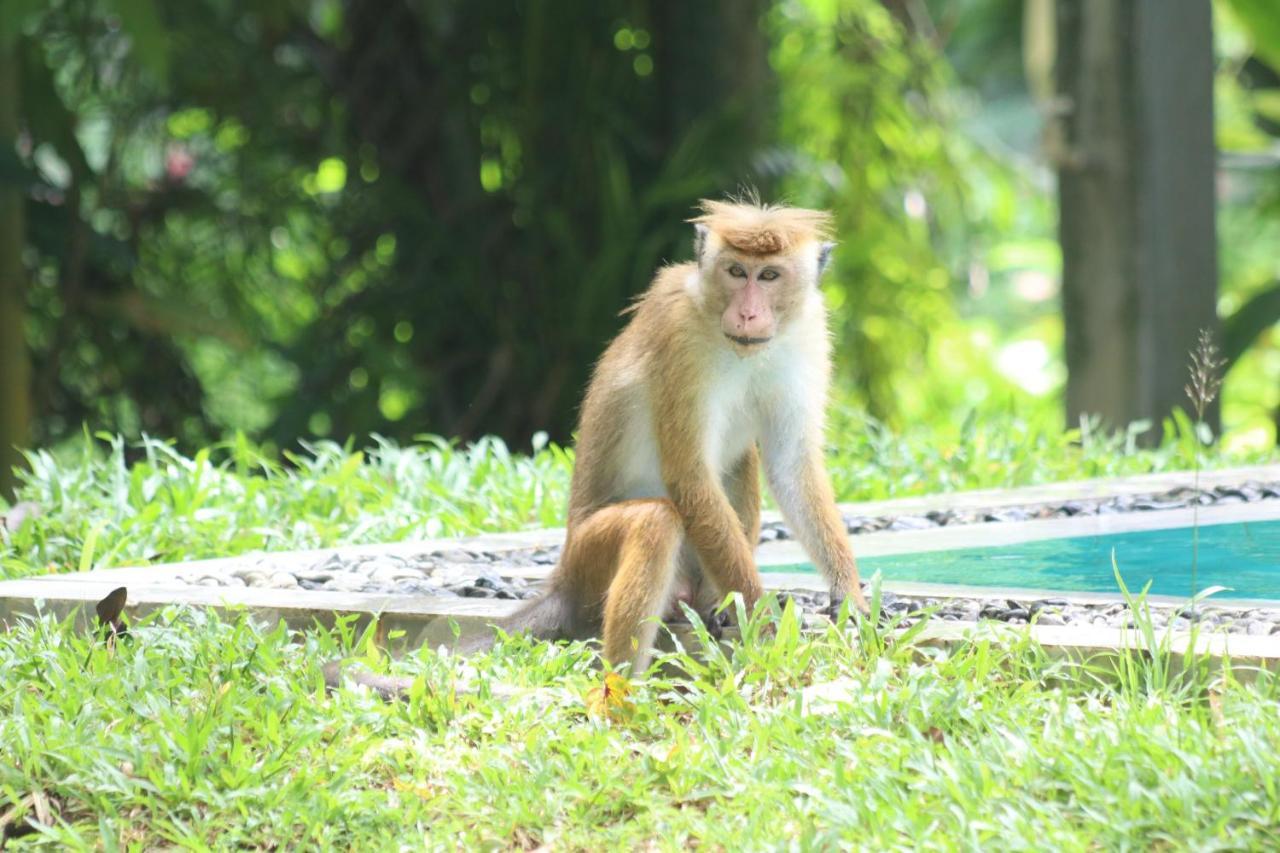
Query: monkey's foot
716,622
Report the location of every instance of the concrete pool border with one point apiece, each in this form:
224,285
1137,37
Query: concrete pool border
427,620
403,626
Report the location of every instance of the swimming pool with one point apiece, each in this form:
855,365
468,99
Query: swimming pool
1243,556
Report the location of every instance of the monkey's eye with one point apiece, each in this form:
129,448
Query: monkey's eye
768,275
737,271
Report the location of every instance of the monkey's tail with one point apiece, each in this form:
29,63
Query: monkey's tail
548,617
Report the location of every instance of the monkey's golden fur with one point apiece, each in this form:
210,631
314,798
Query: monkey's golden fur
724,364
763,229
692,524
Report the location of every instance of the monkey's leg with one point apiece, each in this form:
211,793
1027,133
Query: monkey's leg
648,534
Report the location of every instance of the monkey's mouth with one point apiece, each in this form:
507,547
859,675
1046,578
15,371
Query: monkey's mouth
743,340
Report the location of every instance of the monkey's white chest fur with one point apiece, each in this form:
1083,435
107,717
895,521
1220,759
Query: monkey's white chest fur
741,409
733,412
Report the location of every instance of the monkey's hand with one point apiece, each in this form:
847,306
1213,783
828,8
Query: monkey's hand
837,601
716,621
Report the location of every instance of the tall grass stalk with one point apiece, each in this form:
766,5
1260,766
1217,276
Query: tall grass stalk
1201,390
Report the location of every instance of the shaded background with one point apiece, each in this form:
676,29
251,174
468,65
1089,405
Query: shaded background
303,218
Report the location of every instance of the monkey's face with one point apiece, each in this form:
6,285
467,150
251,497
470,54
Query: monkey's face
755,295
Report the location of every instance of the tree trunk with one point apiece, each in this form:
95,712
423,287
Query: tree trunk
1136,184
15,364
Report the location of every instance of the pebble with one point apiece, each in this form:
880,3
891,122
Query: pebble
415,586
455,556
392,574
912,522
1011,514
347,582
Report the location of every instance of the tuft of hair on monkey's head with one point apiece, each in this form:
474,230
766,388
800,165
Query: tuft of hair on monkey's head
760,229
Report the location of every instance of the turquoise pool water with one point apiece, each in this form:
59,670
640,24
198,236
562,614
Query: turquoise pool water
1242,556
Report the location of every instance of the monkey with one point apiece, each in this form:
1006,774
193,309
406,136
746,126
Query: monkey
722,368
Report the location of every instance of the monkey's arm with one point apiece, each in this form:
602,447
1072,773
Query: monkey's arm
715,530
798,479
710,521
742,486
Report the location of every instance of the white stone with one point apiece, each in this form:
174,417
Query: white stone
346,582
282,580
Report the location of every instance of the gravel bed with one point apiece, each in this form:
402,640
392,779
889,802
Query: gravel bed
1179,498
474,574
1259,622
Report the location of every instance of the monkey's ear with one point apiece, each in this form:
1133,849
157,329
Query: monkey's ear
699,240
824,257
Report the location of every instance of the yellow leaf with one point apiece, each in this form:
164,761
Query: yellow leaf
419,789
610,699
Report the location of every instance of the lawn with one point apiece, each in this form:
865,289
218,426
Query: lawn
200,730
209,732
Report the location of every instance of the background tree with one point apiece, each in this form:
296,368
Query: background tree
15,369
323,218
1136,177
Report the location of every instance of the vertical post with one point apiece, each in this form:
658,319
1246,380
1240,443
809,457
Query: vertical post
1136,192
15,365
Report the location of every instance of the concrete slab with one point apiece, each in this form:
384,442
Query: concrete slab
419,620
1140,484
1103,648
405,623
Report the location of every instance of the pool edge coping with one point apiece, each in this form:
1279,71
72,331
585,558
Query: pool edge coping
402,626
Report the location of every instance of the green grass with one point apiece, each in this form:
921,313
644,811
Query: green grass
108,504
202,732
206,731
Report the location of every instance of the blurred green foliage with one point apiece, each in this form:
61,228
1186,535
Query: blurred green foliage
320,218
339,218
1247,99
930,219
